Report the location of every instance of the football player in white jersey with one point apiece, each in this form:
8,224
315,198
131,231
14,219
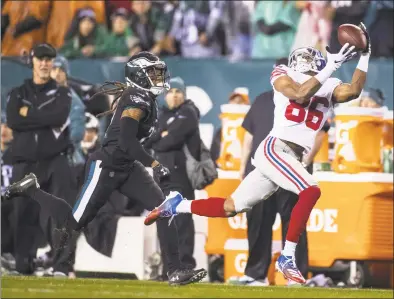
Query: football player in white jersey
303,94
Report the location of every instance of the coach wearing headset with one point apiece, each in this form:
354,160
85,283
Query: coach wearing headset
37,112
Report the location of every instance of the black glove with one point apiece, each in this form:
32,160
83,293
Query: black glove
160,172
368,47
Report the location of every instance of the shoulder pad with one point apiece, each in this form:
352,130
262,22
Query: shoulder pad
136,99
278,71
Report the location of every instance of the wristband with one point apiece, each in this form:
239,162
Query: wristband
363,63
324,74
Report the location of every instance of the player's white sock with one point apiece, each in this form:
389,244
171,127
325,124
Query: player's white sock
185,206
289,249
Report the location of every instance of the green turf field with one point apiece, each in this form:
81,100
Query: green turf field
34,287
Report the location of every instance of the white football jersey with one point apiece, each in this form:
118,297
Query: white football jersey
297,123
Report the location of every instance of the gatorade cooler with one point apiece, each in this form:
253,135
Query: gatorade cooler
387,142
388,129
232,137
359,133
322,154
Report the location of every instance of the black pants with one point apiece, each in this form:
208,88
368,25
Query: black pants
179,182
260,221
7,227
136,184
55,177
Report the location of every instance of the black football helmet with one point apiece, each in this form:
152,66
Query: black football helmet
147,72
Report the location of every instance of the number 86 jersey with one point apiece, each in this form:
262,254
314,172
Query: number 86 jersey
299,123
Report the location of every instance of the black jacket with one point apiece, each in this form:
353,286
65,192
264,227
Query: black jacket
182,126
39,135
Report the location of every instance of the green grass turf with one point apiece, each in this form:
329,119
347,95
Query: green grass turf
35,287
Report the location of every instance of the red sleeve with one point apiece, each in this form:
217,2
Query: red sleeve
277,72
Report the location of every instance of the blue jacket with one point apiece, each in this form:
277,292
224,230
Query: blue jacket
77,126
77,118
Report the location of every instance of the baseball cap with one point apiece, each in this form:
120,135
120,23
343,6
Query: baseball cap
62,63
43,50
120,12
178,83
87,13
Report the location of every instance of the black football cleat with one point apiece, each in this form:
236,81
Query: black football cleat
20,187
186,276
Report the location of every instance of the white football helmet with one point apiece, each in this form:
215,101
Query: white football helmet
307,59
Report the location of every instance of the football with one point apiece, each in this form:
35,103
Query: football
352,34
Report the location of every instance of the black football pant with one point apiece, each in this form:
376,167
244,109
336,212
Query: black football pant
260,221
55,177
136,184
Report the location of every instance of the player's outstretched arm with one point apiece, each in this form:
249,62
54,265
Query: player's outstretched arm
302,93
347,92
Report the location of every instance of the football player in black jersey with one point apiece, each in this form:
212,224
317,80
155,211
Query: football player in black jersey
120,163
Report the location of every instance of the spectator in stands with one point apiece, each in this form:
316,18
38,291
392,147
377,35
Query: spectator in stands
37,112
60,73
63,16
381,30
314,27
345,12
23,24
88,39
196,26
121,40
236,22
274,25
150,23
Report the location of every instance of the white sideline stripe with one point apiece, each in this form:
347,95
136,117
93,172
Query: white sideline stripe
330,176
236,244
89,191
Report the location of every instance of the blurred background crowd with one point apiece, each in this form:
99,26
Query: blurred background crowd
198,29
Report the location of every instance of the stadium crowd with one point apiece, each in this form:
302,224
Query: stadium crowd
198,29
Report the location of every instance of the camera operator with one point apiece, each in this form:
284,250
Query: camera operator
37,112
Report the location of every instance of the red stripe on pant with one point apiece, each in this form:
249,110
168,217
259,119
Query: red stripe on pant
276,166
285,163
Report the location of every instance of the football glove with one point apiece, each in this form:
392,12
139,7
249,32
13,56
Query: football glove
160,172
345,54
367,50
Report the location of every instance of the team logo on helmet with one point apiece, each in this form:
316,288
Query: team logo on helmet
307,59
